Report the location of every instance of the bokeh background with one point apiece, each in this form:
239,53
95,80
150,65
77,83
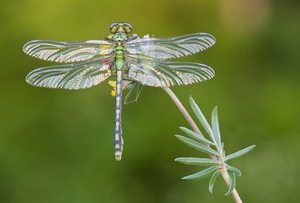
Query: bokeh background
56,145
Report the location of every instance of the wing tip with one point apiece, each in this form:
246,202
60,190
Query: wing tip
27,46
211,38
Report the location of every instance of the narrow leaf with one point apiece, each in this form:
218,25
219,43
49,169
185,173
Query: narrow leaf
197,161
202,119
201,174
234,170
196,145
215,127
195,136
232,183
239,153
212,181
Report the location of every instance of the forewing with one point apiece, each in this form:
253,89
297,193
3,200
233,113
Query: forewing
70,76
67,52
170,47
160,73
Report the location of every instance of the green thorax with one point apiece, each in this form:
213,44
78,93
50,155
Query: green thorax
119,39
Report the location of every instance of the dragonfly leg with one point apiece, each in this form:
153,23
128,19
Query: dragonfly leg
118,140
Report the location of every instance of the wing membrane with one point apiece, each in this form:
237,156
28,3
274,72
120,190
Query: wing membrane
170,47
67,52
160,73
70,76
134,92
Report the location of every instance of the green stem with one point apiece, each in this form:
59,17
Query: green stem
190,120
183,111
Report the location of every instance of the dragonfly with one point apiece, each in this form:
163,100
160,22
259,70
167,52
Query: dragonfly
129,60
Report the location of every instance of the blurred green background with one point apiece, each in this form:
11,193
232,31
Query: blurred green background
56,145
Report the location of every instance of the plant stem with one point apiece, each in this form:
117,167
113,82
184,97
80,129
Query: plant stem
183,111
189,119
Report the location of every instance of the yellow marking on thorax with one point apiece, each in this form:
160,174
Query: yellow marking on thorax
110,36
104,46
103,52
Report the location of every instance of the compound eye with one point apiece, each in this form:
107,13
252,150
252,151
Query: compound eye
113,28
127,28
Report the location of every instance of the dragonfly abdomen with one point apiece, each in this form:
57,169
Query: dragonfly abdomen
118,140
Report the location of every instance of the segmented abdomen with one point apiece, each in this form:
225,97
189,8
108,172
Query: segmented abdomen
118,140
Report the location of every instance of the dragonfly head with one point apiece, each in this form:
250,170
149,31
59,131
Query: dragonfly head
120,27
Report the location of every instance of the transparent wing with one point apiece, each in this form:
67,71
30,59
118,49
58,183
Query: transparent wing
67,52
134,91
160,73
170,47
70,76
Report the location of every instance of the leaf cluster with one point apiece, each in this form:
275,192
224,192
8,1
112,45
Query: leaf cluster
214,147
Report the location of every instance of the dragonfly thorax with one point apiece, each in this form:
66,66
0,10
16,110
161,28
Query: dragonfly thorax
120,37
119,50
